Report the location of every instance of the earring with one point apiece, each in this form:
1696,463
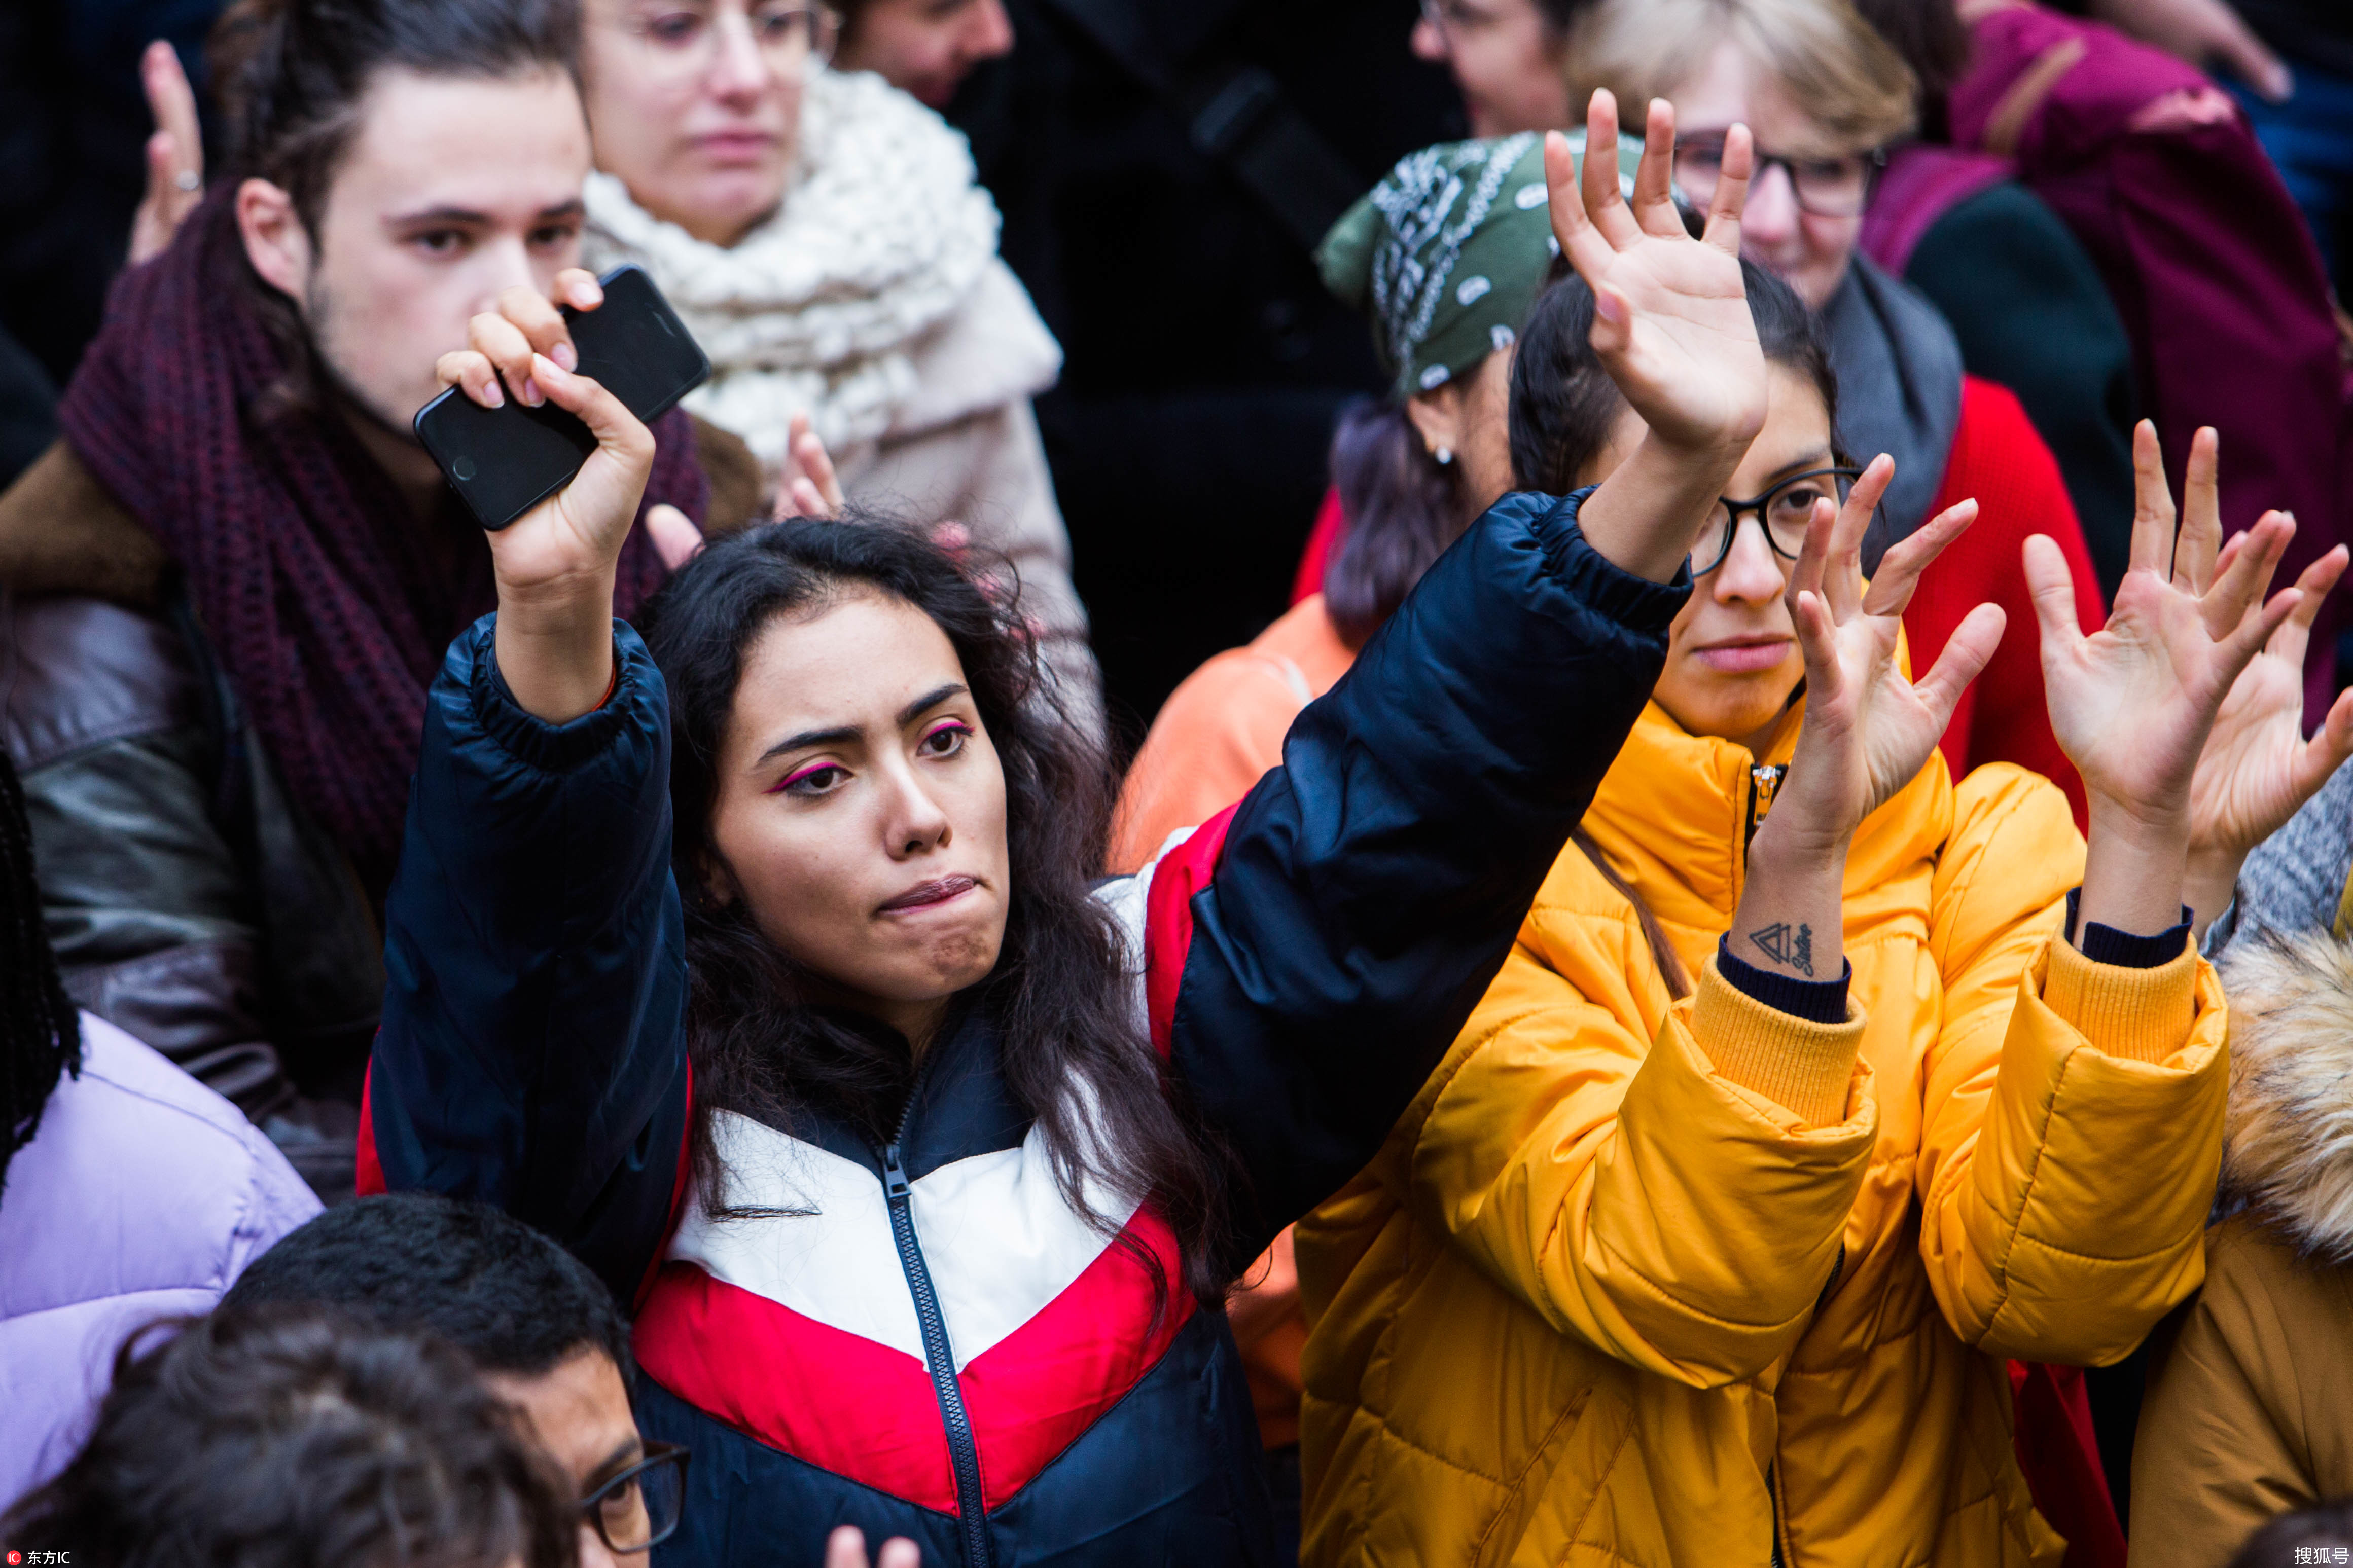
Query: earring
1444,455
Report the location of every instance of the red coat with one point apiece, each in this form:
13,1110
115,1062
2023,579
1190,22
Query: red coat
1998,458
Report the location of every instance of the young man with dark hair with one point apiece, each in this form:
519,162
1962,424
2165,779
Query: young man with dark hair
297,1435
233,576
544,1332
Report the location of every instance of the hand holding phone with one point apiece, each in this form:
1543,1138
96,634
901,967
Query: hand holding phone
504,449
554,564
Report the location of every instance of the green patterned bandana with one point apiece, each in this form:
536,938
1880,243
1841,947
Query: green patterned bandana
1448,253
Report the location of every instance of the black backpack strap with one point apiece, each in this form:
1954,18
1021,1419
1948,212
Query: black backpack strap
1236,115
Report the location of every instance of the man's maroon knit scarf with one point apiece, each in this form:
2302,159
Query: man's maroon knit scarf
327,602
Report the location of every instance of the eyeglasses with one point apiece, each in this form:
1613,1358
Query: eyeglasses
1785,510
638,1508
680,42
1826,187
1451,17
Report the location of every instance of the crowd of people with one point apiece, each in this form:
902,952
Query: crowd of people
1756,966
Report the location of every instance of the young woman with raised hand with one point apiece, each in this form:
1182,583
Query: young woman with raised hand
927,1165
1817,1084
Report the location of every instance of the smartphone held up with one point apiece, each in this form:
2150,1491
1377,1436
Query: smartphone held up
505,460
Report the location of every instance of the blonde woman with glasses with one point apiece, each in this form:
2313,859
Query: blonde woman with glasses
1827,96
822,235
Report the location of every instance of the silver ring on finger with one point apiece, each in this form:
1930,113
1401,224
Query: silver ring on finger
189,180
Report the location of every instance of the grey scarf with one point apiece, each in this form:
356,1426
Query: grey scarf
1899,377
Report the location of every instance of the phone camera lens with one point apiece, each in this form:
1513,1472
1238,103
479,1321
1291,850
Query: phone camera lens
462,469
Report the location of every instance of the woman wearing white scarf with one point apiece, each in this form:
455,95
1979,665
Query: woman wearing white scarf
823,236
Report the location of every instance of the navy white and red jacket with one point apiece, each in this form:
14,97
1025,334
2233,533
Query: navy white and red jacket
928,1341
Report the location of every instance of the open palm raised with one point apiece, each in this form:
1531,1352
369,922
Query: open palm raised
2133,704
1868,730
2257,766
1671,321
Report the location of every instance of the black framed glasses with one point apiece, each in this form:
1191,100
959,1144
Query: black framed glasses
1826,187
638,1508
1783,511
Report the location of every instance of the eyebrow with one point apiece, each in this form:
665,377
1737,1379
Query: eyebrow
564,209
846,733
1819,458
627,1452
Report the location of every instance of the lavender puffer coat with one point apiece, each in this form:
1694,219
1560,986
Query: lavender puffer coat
144,1196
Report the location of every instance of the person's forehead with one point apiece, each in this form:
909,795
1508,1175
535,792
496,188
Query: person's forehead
1796,429
508,146
858,661
1726,86
578,1408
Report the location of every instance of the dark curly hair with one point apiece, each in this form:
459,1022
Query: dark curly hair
1060,995
508,1296
288,1436
40,1032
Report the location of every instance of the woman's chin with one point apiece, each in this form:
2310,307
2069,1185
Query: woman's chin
1729,706
719,206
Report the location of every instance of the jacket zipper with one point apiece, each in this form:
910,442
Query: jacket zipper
937,1359
1764,784
1773,1497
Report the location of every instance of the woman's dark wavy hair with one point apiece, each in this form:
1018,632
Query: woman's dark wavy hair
1565,409
1403,509
1061,994
291,1436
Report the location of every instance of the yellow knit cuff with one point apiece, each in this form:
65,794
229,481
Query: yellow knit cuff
2141,1014
1801,1065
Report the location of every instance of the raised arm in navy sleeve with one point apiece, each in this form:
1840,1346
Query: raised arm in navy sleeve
532,1052
1367,890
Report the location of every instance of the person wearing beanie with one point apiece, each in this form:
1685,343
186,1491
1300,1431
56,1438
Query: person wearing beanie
1446,256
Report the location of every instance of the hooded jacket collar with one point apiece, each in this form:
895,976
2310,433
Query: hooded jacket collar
2287,1142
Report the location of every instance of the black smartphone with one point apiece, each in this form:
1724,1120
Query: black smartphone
508,459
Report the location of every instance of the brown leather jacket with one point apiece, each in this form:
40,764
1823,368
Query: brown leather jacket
190,900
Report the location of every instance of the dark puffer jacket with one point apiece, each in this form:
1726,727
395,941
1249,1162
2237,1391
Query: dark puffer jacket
192,902
921,1338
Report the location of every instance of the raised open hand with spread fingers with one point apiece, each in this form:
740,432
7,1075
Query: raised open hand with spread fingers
554,564
2257,767
2133,704
1868,730
1670,325
1670,319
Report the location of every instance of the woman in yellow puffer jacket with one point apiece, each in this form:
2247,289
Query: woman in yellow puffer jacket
1809,1094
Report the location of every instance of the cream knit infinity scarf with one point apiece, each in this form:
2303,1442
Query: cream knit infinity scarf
881,237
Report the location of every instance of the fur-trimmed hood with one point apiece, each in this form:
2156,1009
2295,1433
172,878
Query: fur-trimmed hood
2287,1149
